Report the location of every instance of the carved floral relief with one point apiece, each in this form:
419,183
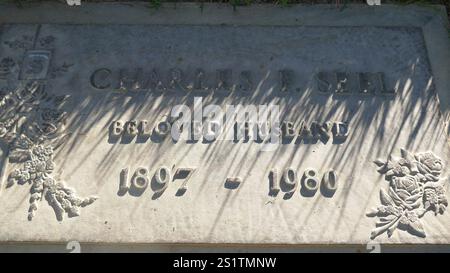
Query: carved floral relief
415,188
32,127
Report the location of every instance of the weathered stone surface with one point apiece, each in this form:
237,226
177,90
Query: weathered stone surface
80,103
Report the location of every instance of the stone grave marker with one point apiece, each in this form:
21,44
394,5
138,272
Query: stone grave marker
294,126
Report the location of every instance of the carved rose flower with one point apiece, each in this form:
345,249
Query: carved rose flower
51,115
406,191
48,125
429,164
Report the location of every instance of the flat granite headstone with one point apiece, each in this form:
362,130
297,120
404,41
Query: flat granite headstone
358,151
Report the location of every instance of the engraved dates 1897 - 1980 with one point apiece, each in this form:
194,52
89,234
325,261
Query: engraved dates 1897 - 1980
137,182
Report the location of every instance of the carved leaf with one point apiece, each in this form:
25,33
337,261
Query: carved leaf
372,213
10,182
406,155
380,229
392,228
416,228
431,177
377,232
433,185
17,156
379,162
421,211
386,220
385,198
395,197
389,164
57,142
88,201
382,166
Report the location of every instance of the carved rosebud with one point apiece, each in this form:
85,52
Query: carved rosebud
434,199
